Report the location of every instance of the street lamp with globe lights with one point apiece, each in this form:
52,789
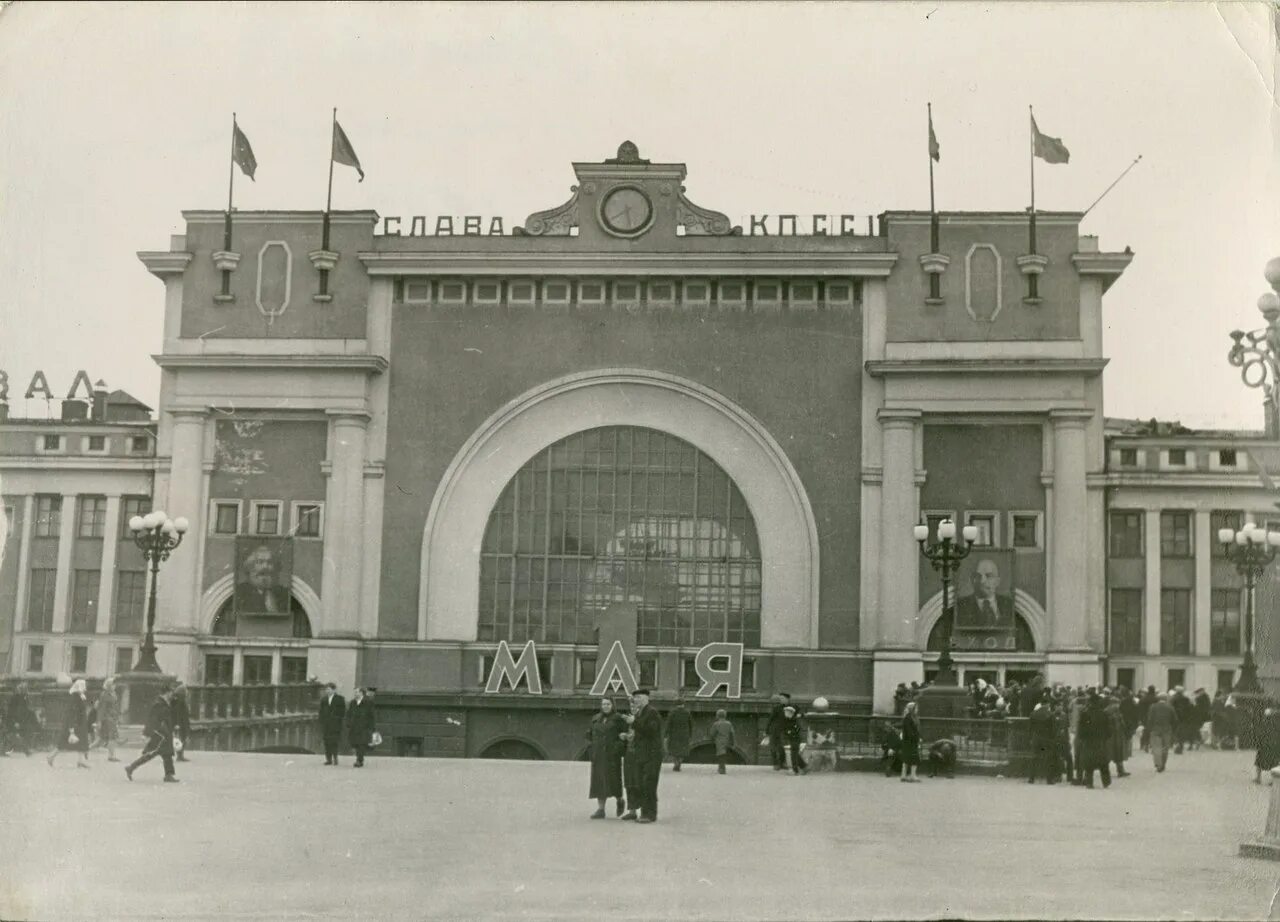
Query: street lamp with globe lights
1257,352
945,555
1252,549
156,535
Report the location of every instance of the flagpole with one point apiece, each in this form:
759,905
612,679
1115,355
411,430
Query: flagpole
933,211
1032,137
226,222
328,202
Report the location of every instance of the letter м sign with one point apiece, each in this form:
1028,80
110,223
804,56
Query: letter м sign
526,667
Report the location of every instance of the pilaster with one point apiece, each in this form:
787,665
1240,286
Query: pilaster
899,587
1069,547
1202,607
62,579
107,580
178,592
24,576
344,536
1151,589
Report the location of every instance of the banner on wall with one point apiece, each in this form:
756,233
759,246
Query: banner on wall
984,609
264,572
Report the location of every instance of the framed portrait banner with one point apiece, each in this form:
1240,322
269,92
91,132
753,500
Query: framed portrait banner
264,573
984,609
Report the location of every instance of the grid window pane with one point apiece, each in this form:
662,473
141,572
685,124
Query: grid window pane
620,515
1175,622
93,516
35,658
308,524
79,659
257,670
48,516
267,520
226,518
132,506
986,526
1175,534
1126,620
40,600
1126,534
1224,623
219,668
131,590
124,659
1026,531
84,600
293,670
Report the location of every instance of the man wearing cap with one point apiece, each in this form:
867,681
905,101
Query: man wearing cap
646,727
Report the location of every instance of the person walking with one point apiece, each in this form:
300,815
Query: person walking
77,725
1144,706
1095,740
108,707
1183,707
362,723
910,751
1118,743
646,726
774,731
1044,738
1074,710
607,738
722,736
158,738
1161,729
181,721
793,733
1268,755
679,734
333,710
20,723
1202,712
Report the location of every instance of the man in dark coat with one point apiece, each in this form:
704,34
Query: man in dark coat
1144,707
1095,740
1062,736
333,710
1119,748
361,724
158,737
1031,695
1200,715
1044,741
20,723
181,719
777,748
646,727
679,734
942,758
890,747
793,732
1160,729
1184,710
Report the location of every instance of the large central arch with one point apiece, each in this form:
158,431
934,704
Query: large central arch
448,599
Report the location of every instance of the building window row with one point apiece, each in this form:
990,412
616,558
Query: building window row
1178,459
266,517
1176,622
77,659
58,444
722,294
1020,530
255,668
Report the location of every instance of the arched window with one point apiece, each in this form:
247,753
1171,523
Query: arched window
621,516
225,623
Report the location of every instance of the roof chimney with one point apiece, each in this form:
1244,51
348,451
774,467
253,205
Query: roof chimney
100,401
75,409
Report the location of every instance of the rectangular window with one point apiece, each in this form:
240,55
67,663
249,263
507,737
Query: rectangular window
257,670
1219,519
307,518
767,296
1177,678
132,506
985,522
689,674
1226,679
555,294
1126,621
40,600
697,294
1177,457
1175,622
1126,534
591,294
131,600
293,670
748,674
662,294
520,294
35,658
452,293
48,516
417,291
1127,678
1025,530
1224,623
226,517
1128,457
1227,457
93,516
97,444
266,518
79,659
1175,534
648,672
139,444
219,668
84,601
487,292
935,518
586,671
732,295
51,443
124,659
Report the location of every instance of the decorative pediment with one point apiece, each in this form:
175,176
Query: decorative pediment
554,222
703,222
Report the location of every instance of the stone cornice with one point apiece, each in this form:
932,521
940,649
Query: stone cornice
98,463
1181,480
1107,266
627,264
952,218
201,216
879,368
369,364
162,263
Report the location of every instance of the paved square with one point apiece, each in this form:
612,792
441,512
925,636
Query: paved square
283,837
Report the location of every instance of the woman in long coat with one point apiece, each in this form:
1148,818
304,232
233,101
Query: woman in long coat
679,734
77,726
607,745
109,718
910,751
361,724
1095,736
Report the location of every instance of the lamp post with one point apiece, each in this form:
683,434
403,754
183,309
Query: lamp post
156,535
1251,549
945,556
1257,352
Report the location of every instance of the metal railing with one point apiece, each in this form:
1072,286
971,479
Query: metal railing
977,740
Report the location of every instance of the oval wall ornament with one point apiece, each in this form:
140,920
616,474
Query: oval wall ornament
273,297
983,282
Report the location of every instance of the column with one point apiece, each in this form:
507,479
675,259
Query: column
62,584
1151,585
1202,604
899,564
24,577
178,594
1069,547
107,582
344,528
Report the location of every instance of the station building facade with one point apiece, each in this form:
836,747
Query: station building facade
626,410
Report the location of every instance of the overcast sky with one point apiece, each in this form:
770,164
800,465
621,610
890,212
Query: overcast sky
115,118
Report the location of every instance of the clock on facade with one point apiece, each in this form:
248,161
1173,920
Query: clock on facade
626,211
